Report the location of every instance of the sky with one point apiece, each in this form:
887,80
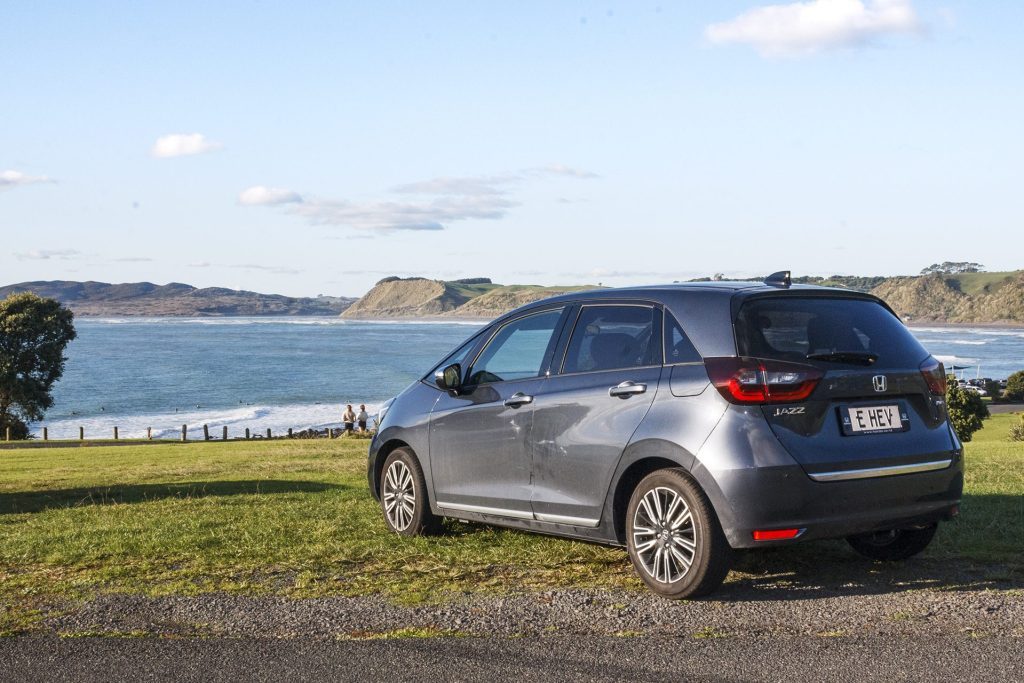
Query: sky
314,148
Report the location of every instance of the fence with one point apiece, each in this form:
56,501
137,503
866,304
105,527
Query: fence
309,433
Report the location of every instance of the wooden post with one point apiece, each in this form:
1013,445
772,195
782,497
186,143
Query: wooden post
46,434
149,433
268,433
81,433
115,433
184,432
246,433
206,432
225,433
8,434
330,433
289,432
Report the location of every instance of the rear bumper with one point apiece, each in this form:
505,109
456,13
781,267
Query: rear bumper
785,497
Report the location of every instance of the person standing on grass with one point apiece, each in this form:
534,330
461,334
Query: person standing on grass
349,418
362,418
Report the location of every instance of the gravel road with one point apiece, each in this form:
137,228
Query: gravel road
923,622
558,658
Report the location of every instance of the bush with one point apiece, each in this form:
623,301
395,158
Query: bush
1015,387
1017,430
966,411
995,391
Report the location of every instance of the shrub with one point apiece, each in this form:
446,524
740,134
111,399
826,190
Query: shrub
1015,387
994,390
966,411
1017,430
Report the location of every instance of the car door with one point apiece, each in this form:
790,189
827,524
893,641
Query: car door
587,412
480,437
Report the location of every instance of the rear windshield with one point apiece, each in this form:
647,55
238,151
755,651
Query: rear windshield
793,328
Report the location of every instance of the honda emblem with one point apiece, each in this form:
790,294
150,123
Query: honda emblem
880,382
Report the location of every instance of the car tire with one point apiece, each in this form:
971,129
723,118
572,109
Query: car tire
893,545
403,496
674,538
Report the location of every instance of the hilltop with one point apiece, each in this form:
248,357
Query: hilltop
975,297
960,298
174,299
966,298
417,297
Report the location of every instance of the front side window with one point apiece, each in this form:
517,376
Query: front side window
613,338
459,355
517,350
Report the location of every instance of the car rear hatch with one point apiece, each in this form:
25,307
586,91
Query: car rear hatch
856,394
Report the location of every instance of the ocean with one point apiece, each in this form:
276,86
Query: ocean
136,373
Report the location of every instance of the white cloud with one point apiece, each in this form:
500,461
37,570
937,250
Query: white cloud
9,179
388,216
563,170
260,195
439,201
48,255
182,144
808,27
276,270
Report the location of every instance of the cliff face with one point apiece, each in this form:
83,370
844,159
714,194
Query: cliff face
407,298
418,297
968,298
174,299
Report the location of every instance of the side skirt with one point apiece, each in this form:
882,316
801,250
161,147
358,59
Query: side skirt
598,535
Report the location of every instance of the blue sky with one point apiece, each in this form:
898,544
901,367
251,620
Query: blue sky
307,148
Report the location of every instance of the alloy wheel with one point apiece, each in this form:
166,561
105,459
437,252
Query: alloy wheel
664,535
399,495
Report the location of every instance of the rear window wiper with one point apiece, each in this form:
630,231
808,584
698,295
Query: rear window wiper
859,357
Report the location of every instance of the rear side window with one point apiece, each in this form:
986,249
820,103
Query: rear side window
678,347
611,338
793,328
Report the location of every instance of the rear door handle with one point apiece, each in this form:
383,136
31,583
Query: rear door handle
627,389
518,399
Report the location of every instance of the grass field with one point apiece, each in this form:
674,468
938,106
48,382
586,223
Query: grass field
295,518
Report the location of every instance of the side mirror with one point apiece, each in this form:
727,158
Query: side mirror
450,378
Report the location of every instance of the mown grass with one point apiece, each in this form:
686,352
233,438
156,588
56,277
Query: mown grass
295,518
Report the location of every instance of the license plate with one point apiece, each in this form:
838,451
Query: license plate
873,419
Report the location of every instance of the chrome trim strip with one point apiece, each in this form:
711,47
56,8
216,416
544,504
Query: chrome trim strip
890,471
483,510
563,519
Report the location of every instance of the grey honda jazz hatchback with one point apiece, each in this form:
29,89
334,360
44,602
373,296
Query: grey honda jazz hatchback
682,422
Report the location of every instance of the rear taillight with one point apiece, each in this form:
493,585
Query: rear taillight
754,380
935,376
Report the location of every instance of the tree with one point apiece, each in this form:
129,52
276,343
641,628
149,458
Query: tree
953,268
33,335
966,410
1015,387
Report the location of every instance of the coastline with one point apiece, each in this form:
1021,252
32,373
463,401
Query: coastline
1000,325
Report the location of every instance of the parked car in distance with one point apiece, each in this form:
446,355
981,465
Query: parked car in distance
682,422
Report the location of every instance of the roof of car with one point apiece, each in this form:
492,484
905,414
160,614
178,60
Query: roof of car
728,287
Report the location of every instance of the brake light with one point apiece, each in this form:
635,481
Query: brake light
934,374
754,380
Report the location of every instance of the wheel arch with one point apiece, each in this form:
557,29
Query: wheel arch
639,460
386,449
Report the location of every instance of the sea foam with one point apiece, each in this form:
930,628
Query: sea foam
168,425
